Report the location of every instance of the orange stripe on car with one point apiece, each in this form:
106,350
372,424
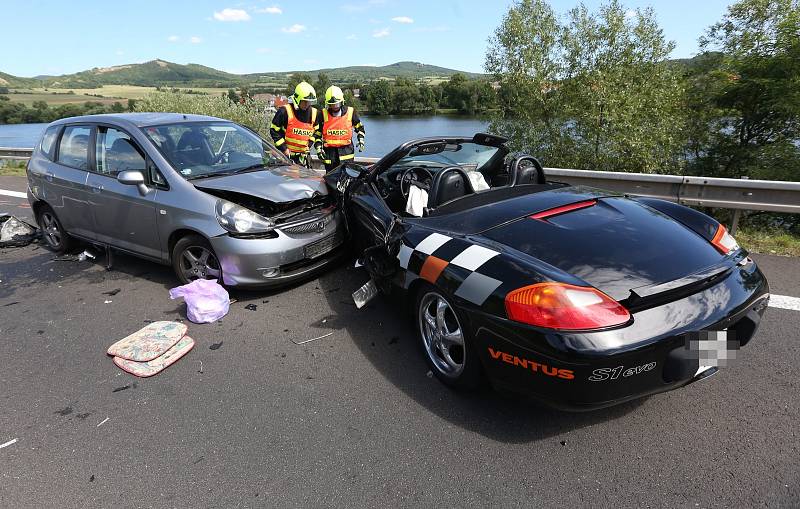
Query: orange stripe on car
432,268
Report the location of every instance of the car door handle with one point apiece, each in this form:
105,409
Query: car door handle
49,175
96,188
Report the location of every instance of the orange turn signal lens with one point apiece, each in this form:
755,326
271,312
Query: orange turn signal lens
724,241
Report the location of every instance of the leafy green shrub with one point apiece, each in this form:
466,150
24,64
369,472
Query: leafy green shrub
255,114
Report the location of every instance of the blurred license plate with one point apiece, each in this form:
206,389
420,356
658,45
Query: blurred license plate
323,246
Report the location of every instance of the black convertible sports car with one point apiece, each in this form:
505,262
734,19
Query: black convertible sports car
579,297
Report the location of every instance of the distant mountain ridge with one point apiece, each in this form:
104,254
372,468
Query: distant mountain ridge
163,73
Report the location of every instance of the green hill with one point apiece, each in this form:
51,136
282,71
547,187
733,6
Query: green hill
152,73
163,73
9,81
412,70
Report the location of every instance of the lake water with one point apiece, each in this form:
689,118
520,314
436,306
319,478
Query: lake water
383,133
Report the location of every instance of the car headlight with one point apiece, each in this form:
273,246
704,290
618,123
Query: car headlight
237,219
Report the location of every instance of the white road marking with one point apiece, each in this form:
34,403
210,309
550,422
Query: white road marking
10,442
102,422
784,302
15,194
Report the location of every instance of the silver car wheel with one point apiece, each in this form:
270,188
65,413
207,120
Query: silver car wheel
442,335
198,262
51,231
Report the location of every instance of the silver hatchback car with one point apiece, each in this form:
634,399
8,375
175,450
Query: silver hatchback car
203,194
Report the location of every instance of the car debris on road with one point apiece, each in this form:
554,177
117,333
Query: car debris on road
15,232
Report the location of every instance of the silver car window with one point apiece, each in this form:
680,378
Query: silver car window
198,149
73,150
117,152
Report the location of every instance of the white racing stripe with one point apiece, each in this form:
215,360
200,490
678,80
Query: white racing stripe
15,194
784,302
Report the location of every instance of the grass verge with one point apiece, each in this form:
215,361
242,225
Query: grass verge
13,169
769,241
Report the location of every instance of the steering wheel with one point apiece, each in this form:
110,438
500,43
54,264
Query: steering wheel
540,178
411,177
222,155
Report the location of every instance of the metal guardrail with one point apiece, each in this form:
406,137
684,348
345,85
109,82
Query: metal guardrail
737,194
15,153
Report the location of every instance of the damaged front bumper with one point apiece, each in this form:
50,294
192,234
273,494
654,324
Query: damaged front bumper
293,252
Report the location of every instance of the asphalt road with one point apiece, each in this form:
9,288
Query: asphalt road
250,419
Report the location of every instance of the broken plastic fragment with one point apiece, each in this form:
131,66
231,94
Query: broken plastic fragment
15,232
86,255
310,340
365,294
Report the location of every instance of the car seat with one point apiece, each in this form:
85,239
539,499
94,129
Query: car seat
194,148
448,185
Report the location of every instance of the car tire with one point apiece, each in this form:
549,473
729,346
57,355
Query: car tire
447,346
53,233
194,258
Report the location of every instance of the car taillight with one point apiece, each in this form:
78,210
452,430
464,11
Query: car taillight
565,307
724,241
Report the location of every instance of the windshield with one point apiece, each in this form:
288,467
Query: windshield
469,155
207,149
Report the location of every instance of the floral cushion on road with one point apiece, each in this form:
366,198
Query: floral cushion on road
149,342
150,368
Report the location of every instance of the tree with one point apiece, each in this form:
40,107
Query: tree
295,79
623,102
593,92
379,98
524,58
321,85
748,97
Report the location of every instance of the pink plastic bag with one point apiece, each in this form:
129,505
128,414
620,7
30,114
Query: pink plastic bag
206,301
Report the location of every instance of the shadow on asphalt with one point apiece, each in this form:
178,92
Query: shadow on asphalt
382,331
396,355
37,265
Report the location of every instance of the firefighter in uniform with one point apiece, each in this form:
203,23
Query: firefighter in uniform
293,125
334,132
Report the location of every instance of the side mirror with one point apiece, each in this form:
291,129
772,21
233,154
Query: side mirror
133,178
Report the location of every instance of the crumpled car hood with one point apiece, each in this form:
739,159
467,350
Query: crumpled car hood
279,184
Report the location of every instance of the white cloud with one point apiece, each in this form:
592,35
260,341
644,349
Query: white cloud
231,15
380,33
630,13
294,29
173,38
195,40
403,19
351,37
119,53
270,10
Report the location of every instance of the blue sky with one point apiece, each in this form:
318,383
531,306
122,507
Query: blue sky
57,37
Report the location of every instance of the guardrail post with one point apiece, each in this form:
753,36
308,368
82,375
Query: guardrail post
737,213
